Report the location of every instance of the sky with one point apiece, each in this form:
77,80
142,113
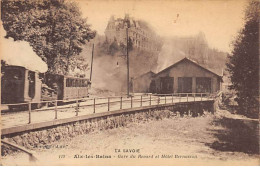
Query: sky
220,20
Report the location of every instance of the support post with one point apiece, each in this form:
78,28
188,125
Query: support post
94,106
30,111
108,106
141,100
131,101
150,99
194,97
179,97
121,102
127,60
172,98
158,100
56,112
201,96
92,62
77,107
187,97
165,99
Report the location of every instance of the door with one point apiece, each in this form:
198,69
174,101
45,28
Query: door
167,85
185,84
203,85
31,79
152,87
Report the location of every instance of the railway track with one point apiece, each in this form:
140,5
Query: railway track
88,106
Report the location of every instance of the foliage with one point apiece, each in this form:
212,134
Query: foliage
141,61
243,62
114,48
54,28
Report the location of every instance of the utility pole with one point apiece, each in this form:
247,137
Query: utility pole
91,62
127,58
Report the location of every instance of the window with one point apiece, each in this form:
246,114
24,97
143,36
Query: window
70,82
80,82
31,79
203,85
167,84
85,83
184,84
13,74
67,82
76,82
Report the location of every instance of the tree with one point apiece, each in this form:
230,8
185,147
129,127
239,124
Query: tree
243,62
113,48
54,28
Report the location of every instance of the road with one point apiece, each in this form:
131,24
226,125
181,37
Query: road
87,107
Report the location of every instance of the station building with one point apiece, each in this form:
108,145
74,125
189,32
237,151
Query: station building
142,84
187,76
184,76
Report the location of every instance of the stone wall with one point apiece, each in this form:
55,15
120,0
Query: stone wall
44,136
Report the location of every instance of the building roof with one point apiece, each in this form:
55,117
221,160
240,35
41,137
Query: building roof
190,61
145,74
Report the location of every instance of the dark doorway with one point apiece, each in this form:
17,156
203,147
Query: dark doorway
167,85
185,84
203,85
152,87
31,79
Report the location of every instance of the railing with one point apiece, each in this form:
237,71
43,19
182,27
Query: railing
101,104
31,154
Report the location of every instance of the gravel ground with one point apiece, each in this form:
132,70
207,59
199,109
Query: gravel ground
220,139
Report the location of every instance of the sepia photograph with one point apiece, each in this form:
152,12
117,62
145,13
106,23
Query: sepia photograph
129,82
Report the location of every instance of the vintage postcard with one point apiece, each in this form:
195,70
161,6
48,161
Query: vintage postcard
129,82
